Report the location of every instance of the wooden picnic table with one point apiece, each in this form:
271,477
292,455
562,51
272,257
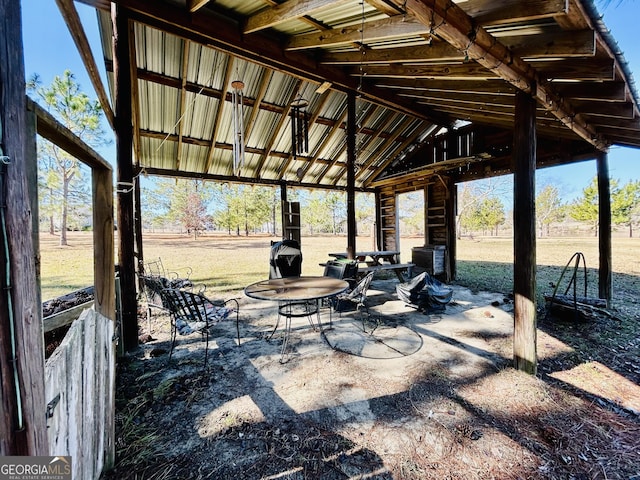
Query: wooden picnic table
376,260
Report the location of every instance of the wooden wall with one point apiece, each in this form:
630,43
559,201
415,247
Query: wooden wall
439,196
79,379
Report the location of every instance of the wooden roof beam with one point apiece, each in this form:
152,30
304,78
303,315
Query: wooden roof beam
385,29
581,43
183,97
195,5
459,97
218,114
452,24
495,86
289,10
72,19
594,91
492,12
265,50
558,44
314,118
437,51
276,131
462,71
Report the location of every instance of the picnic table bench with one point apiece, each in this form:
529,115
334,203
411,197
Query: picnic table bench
377,260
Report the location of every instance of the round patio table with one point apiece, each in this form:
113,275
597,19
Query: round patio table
296,297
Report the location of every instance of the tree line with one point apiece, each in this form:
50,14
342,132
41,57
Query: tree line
480,208
195,206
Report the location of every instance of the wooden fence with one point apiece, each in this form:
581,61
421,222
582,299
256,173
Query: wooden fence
80,386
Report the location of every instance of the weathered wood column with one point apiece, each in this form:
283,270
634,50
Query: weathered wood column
604,228
23,428
283,199
450,212
524,242
124,148
138,228
351,174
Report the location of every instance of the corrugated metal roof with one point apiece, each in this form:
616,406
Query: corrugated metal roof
184,111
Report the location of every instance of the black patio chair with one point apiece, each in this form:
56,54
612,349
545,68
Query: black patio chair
192,312
356,298
346,270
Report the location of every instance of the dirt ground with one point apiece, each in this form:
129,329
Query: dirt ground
415,396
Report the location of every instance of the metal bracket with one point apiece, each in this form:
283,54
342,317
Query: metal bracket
51,406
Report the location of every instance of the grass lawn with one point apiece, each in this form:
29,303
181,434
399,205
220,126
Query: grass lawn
230,263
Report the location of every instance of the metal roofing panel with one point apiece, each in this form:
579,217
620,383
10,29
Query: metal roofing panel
166,60
206,66
161,114
264,123
198,117
193,158
162,154
279,89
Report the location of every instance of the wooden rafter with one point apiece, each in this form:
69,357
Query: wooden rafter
471,98
372,134
461,71
314,118
460,30
295,89
389,141
183,98
218,114
322,145
264,83
495,86
376,30
492,12
135,94
72,19
195,5
289,10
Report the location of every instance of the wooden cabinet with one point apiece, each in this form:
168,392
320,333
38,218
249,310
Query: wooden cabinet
291,221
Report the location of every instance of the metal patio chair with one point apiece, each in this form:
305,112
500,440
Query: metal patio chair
192,312
356,297
155,268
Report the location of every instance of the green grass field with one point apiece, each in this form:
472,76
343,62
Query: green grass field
229,263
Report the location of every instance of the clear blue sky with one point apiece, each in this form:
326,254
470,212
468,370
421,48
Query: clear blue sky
49,50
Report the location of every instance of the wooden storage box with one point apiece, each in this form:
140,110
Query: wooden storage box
429,257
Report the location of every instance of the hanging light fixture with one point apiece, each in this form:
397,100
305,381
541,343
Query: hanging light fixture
299,126
237,99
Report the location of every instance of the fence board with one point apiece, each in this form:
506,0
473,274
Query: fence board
82,371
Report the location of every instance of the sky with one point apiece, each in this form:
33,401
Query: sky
49,50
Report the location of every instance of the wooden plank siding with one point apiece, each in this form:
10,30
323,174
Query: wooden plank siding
439,197
79,378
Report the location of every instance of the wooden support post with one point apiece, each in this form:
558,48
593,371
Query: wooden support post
103,241
283,201
23,429
450,212
604,228
378,207
351,175
524,243
138,229
124,147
